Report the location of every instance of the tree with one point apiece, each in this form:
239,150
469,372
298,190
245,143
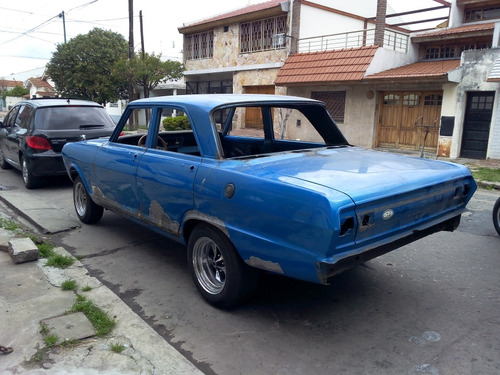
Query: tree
148,71
15,91
82,67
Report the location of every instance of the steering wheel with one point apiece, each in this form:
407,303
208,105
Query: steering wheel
142,142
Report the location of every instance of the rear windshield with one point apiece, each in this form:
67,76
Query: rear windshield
60,118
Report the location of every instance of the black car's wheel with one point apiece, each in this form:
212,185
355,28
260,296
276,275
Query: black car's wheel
496,216
3,162
219,273
87,211
30,181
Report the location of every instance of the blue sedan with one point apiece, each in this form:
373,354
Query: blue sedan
260,182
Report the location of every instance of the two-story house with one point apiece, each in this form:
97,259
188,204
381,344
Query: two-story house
385,86
455,71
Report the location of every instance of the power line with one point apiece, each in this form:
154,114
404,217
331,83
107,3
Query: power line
25,33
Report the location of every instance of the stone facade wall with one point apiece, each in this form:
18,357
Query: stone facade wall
226,53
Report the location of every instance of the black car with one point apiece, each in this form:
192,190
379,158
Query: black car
34,131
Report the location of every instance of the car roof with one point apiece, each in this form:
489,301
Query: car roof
59,102
209,101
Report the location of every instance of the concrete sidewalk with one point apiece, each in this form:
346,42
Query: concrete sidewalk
30,293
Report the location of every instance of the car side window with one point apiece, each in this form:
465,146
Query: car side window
11,117
134,130
175,132
24,117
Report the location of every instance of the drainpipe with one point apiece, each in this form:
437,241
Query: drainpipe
380,22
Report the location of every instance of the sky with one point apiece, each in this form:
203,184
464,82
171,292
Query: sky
31,29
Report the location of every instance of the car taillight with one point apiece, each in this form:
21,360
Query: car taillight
38,143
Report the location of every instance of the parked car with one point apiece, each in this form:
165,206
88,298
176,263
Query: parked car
261,182
496,216
34,131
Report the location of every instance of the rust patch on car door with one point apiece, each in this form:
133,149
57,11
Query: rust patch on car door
160,219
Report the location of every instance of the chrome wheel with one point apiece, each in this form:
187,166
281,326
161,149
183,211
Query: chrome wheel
208,265
80,198
218,271
87,211
26,174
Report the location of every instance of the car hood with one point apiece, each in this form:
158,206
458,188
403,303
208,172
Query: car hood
359,173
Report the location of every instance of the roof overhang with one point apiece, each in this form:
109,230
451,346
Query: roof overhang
346,65
463,32
251,13
435,71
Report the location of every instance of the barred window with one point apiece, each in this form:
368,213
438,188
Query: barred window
263,35
335,102
199,46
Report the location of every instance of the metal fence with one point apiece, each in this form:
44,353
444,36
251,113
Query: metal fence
394,40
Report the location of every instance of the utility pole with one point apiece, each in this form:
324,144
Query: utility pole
142,34
130,29
131,55
61,15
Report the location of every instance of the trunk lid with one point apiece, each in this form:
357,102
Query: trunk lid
392,192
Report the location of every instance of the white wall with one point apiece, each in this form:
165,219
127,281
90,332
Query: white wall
318,22
11,100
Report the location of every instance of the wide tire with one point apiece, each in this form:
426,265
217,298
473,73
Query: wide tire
3,162
218,272
496,216
87,211
30,181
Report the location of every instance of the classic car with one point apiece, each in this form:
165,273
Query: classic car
260,182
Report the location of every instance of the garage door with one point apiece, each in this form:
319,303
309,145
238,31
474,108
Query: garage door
409,119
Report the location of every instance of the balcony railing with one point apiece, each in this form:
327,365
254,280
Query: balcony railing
393,40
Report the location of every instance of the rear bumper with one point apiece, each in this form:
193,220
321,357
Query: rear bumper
327,270
46,164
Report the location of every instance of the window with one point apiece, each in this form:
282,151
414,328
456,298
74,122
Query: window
11,117
263,35
391,99
450,52
335,103
411,100
170,132
25,117
433,99
432,53
481,13
482,102
447,52
199,46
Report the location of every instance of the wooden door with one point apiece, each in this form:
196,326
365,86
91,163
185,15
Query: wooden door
409,119
389,119
253,116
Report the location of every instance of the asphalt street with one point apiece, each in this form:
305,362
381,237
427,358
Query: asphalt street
431,307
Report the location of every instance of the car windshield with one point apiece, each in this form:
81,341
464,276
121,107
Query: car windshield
73,117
